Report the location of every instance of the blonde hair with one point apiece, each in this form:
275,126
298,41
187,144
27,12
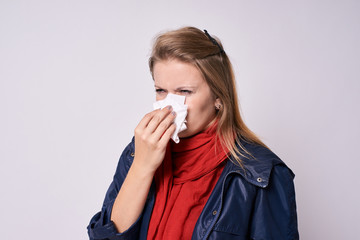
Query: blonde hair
192,45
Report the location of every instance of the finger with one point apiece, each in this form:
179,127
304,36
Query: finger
164,125
146,119
167,135
157,119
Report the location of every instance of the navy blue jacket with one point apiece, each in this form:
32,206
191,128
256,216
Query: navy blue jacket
254,202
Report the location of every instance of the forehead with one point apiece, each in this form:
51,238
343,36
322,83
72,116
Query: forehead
170,72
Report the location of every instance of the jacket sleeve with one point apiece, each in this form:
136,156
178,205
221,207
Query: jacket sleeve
100,226
274,214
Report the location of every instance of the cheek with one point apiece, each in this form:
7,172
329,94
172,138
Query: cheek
196,108
159,97
190,107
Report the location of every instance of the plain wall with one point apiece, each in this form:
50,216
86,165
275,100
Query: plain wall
74,83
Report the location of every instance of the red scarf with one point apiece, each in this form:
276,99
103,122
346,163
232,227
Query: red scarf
184,182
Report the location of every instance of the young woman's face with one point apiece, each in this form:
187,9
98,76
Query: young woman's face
173,76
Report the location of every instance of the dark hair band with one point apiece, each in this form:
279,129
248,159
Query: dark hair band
213,40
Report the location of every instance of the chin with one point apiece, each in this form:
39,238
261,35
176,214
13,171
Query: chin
185,134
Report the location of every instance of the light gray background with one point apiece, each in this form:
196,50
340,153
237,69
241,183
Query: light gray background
74,83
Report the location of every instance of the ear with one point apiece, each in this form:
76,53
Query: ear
217,101
218,104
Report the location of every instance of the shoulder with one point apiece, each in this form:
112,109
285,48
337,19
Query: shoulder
126,159
262,191
261,165
128,153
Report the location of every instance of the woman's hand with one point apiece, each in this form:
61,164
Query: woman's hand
151,138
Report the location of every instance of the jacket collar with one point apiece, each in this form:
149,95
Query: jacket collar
256,169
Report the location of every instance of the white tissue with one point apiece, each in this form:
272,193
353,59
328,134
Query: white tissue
177,103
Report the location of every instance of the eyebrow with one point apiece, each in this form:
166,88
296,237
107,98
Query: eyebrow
177,89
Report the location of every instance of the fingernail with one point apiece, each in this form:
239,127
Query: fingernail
173,113
169,107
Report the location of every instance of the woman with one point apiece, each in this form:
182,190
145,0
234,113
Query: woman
219,182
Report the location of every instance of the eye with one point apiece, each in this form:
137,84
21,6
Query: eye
184,91
159,90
